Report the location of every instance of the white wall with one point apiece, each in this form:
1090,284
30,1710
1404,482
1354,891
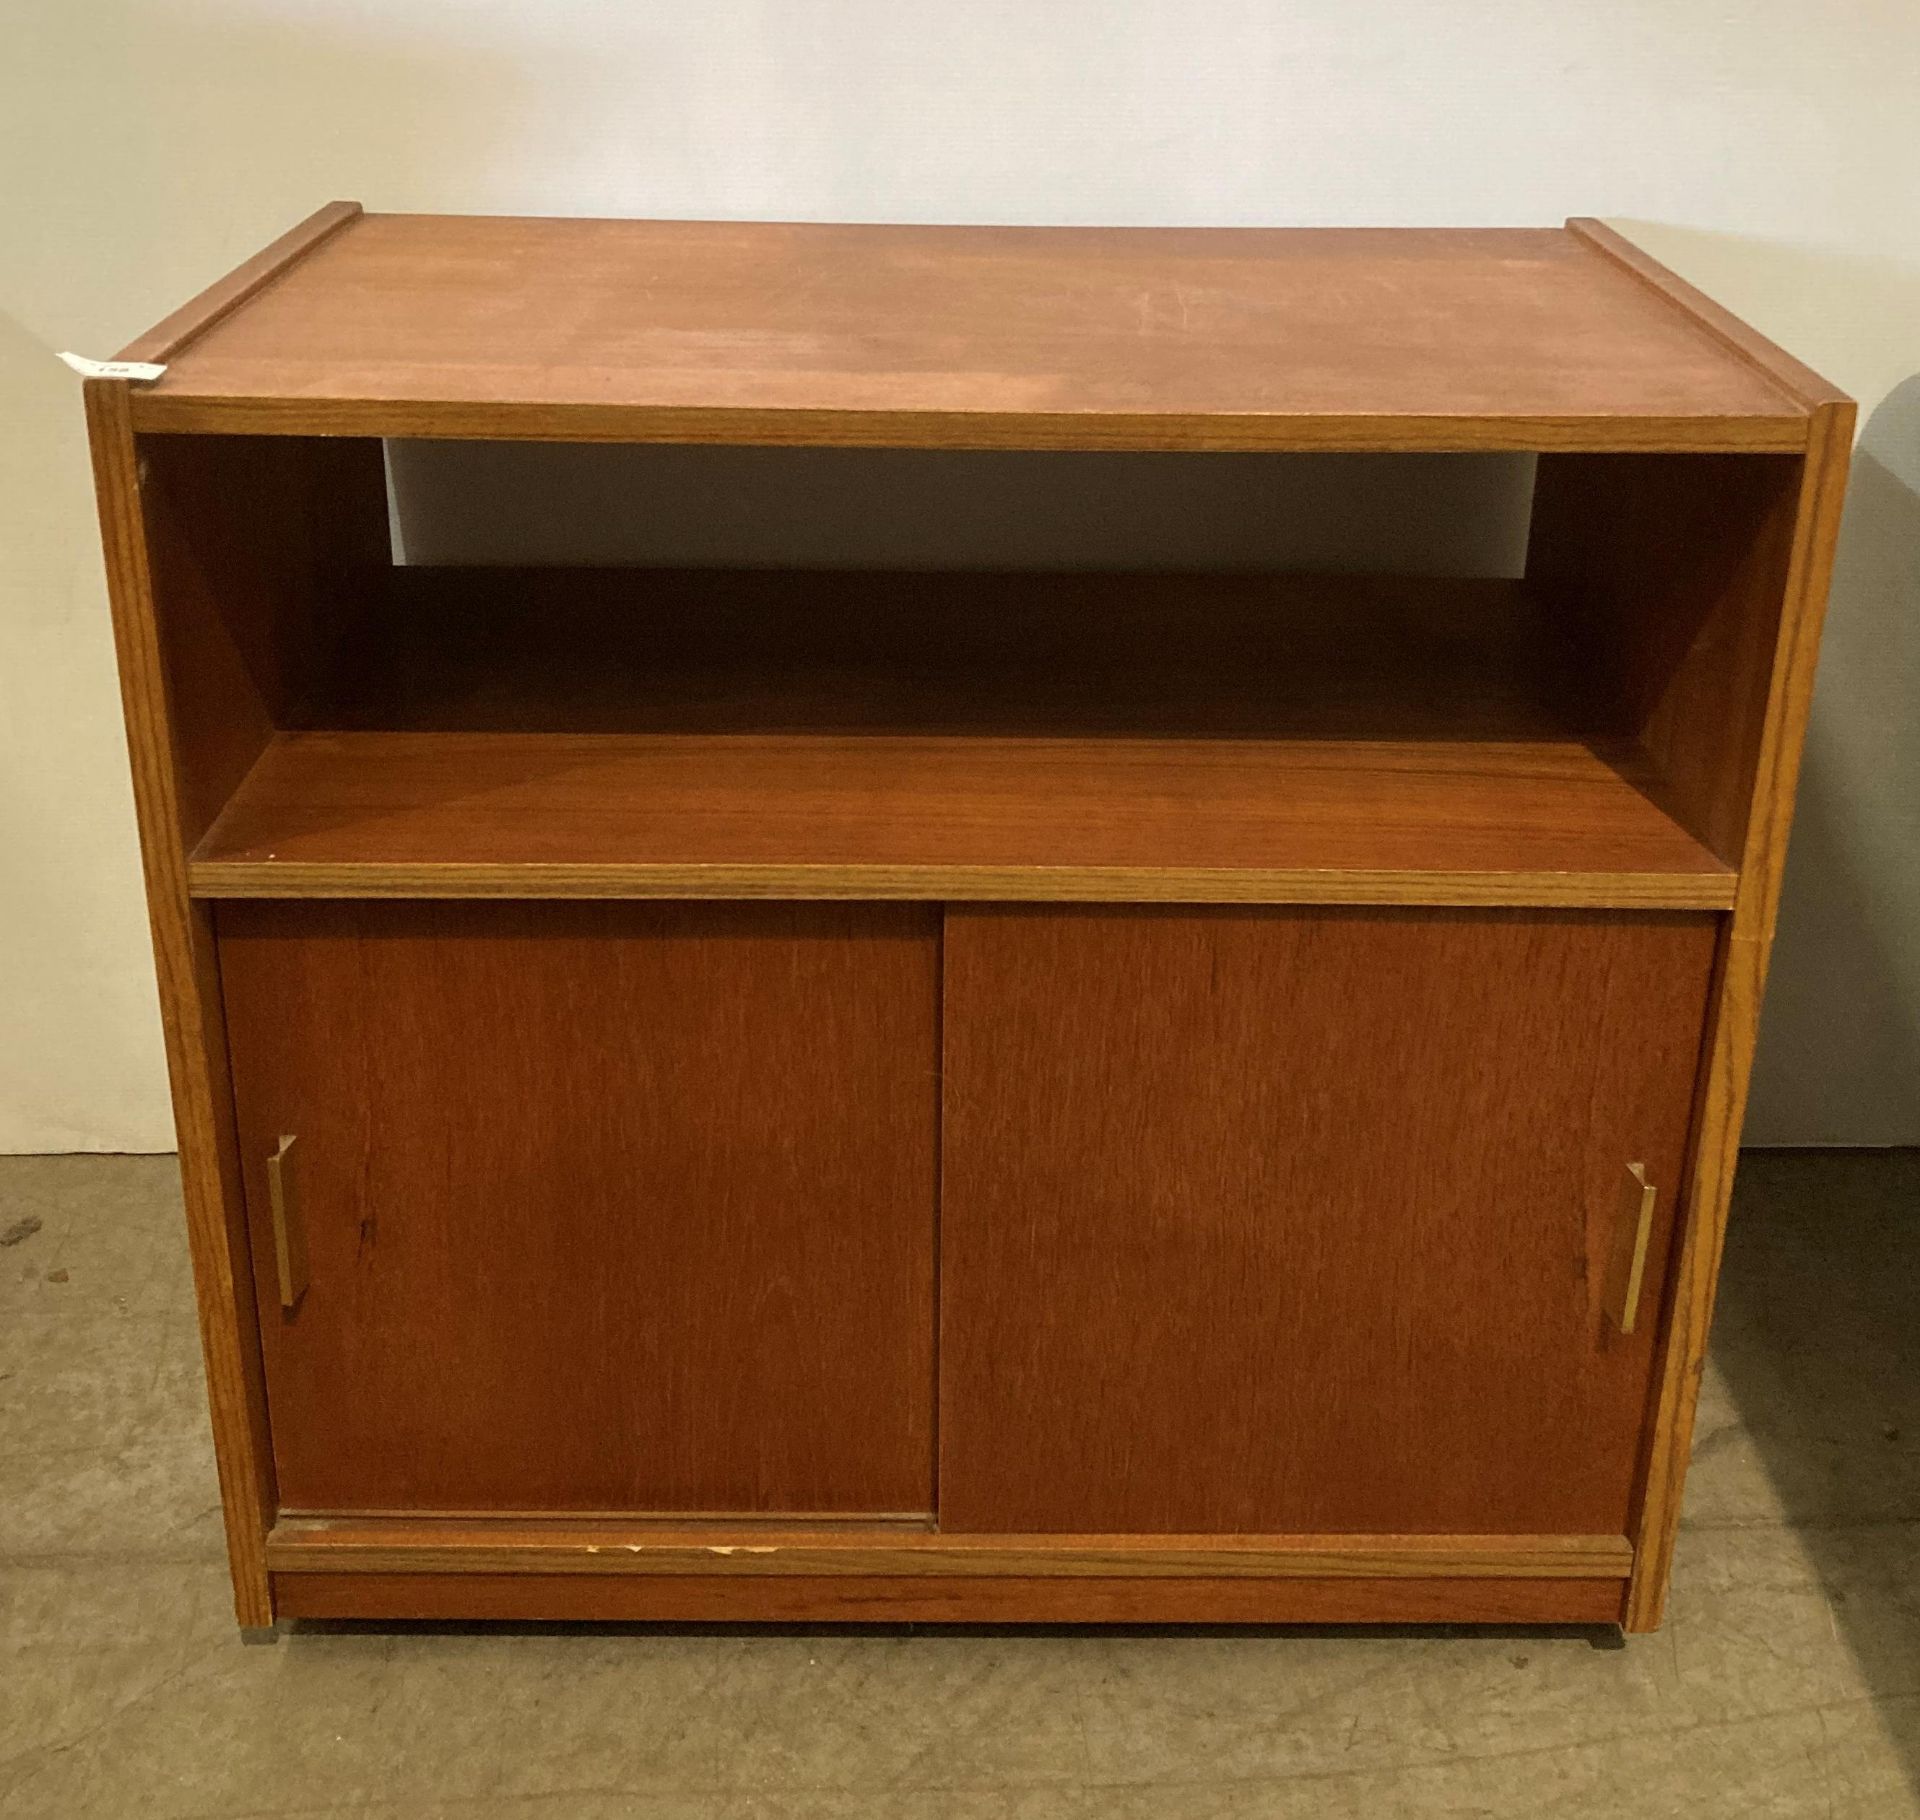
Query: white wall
507,502
1765,148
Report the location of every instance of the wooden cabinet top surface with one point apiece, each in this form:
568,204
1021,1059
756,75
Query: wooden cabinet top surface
1228,338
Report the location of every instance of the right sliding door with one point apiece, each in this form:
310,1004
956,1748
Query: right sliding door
1295,1221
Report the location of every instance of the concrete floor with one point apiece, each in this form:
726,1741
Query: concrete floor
1787,1681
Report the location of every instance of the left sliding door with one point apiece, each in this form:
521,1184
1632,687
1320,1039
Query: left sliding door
591,1207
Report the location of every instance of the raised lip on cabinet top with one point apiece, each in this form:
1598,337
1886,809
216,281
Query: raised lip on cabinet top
566,329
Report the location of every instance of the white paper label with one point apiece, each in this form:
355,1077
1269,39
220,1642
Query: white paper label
112,369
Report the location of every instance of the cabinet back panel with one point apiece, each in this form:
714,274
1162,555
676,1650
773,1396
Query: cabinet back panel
608,1206
1284,1221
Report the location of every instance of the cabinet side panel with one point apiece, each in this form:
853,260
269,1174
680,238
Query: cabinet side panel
191,1018
264,555
1666,574
1735,1016
605,1207
1270,1221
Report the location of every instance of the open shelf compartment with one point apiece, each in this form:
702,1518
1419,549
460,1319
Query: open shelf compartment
1185,737
356,726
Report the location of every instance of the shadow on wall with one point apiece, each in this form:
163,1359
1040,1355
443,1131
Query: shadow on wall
1816,1343
1839,1058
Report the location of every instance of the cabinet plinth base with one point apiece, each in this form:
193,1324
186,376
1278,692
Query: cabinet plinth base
841,1599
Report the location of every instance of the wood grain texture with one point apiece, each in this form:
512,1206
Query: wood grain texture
263,556
429,1545
606,1207
966,884
840,1599
1798,380
1209,737
1735,1018
977,337
1263,1221
191,1020
645,650
168,337
826,815
1667,575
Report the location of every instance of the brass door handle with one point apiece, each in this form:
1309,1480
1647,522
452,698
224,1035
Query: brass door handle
289,1235
1626,1276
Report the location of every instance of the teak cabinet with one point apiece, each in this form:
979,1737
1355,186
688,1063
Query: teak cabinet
955,1092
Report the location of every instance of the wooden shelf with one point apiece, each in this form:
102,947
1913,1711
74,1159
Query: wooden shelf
738,734
957,816
1011,337
951,736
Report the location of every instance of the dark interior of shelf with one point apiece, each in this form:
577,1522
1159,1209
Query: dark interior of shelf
767,651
